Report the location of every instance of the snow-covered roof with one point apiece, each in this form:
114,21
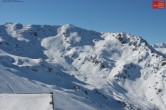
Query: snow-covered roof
26,102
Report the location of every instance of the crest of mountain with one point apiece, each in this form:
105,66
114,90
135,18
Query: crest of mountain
85,70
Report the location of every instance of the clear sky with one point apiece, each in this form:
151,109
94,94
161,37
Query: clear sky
132,16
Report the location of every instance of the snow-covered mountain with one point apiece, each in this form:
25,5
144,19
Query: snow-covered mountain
160,47
85,70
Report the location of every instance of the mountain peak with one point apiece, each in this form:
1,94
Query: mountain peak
68,26
95,69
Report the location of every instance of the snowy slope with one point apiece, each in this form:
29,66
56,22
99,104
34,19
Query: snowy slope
85,69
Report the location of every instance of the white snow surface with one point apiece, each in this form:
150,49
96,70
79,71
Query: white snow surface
85,70
26,102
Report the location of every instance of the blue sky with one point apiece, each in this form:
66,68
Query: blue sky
132,16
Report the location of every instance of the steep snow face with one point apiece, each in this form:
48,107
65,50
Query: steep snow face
20,39
95,70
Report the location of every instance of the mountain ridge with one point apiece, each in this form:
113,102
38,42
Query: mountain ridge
97,70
